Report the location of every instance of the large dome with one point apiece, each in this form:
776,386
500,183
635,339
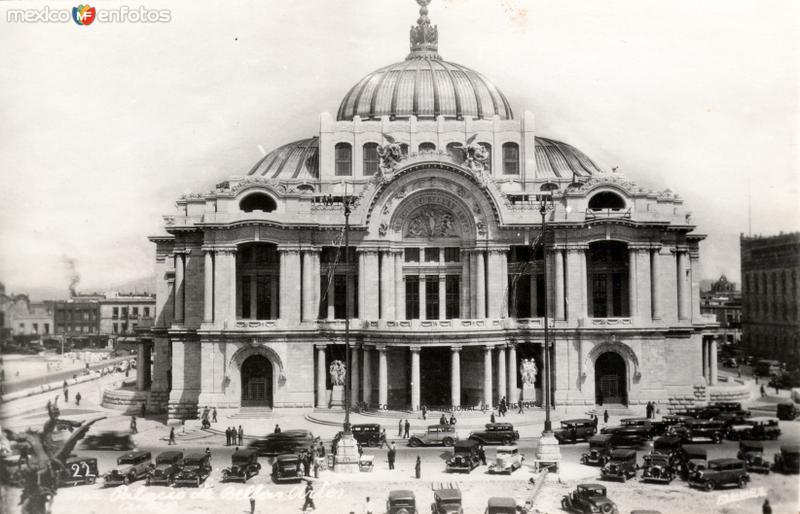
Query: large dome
424,85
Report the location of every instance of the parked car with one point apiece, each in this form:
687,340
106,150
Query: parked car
244,464
288,441
788,459
507,460
130,467
645,425
752,453
730,362
443,435
657,468
168,465
693,430
691,412
501,505
465,457
630,434
368,434
588,499
667,422
671,447
195,470
786,411
695,459
621,465
78,471
731,418
447,500
756,428
767,368
109,441
727,406
287,468
720,472
496,433
599,449
401,501
573,430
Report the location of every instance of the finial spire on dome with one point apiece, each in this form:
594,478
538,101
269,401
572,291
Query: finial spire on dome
424,36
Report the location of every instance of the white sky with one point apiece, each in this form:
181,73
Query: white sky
102,127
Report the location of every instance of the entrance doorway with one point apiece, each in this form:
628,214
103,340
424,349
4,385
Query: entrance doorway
256,382
610,379
434,373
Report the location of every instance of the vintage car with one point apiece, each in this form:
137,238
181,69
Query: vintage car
763,427
668,423
78,471
465,457
287,468
691,412
752,453
447,500
621,465
788,459
195,470
368,434
727,406
507,460
657,468
599,449
695,459
573,430
130,467
401,501
587,499
786,411
435,435
244,464
694,430
628,435
645,424
501,505
167,467
496,433
732,417
109,441
288,441
669,446
720,472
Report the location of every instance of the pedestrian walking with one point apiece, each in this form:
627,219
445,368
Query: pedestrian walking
605,416
418,468
763,391
277,429
252,503
78,398
228,436
766,508
306,465
482,454
369,508
383,436
492,418
214,415
316,469
407,429
144,409
66,392
171,436
521,405
309,497
134,430
391,455
241,435
400,428
452,419
442,419
321,449
424,412
600,397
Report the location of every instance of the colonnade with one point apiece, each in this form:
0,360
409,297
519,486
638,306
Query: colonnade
709,353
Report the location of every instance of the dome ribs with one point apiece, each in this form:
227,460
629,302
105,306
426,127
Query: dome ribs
436,105
395,92
475,86
456,90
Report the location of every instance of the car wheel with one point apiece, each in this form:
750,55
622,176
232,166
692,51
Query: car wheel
507,441
564,504
373,442
716,438
447,441
607,508
413,443
742,482
710,485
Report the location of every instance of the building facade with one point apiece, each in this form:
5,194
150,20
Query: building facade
20,316
449,268
723,300
770,315
122,314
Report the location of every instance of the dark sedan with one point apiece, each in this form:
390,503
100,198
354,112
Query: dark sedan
289,441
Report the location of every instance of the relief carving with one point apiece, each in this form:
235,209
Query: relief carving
431,222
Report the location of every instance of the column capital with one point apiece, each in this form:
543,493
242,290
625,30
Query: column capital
415,348
679,249
181,251
368,249
321,346
641,247
289,248
380,347
311,249
580,247
223,248
488,347
498,249
355,346
456,348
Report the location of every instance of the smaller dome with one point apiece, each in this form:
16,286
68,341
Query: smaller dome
555,159
298,160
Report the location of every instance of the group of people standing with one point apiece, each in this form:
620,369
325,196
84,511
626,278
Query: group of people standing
403,429
234,437
650,410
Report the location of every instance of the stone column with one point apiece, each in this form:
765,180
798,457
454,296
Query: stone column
683,304
455,375
310,284
498,283
632,299
274,297
180,287
655,281
574,284
289,282
480,284
387,285
141,359
487,375
330,298
367,283
415,378
512,373
225,286
253,297
354,375
322,369
208,287
362,282
465,311
501,372
442,296
558,271
421,288
399,286
383,377
713,361
366,393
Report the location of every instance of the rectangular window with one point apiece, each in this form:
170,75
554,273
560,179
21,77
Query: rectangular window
540,295
617,290
431,255
115,312
370,159
412,255
47,328
245,285
510,159
412,296
452,255
124,312
263,292
432,297
146,313
520,293
453,302
599,296
340,297
115,328
35,328
344,160
124,328
136,311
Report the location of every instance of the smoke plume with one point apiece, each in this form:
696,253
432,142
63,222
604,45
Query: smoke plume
71,265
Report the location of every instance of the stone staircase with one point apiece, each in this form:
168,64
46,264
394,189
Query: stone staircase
252,413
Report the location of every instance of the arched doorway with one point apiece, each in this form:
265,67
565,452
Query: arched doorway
256,375
610,379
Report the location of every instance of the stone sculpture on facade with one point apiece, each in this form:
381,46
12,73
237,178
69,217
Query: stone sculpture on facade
475,155
528,372
390,155
338,371
431,222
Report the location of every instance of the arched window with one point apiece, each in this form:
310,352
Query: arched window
510,159
257,202
404,149
606,200
427,147
344,159
607,279
549,186
370,159
456,150
257,281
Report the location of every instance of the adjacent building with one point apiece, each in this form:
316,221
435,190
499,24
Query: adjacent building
123,314
723,300
20,316
446,189
770,316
